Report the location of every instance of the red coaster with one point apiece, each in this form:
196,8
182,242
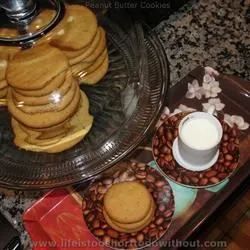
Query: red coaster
55,222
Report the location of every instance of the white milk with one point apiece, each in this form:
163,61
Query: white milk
199,133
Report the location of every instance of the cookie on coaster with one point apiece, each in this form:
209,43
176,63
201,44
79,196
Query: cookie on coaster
86,51
45,119
131,227
127,202
101,46
87,68
77,29
79,125
55,95
96,76
32,69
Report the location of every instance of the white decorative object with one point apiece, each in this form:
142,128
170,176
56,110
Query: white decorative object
237,120
194,90
211,71
211,87
216,102
182,108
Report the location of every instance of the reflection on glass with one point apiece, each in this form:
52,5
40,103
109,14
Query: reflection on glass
55,97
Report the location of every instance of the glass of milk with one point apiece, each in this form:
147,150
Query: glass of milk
200,134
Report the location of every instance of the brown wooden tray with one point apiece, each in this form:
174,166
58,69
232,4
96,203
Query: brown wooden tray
236,96
194,206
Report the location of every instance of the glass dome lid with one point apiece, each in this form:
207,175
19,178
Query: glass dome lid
79,90
22,20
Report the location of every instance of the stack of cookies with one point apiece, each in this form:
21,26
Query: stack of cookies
128,207
3,82
50,113
80,38
84,44
6,54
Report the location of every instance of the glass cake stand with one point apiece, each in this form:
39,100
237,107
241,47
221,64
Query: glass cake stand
125,105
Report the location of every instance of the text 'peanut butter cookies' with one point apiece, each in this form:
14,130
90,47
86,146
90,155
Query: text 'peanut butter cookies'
127,202
77,29
32,69
78,126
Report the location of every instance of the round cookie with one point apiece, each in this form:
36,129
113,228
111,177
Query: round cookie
80,123
3,84
45,133
8,52
55,96
95,53
57,103
3,92
3,102
36,140
55,83
130,228
46,119
77,28
3,67
127,202
46,138
41,20
32,69
97,75
62,145
140,224
86,51
83,68
8,33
